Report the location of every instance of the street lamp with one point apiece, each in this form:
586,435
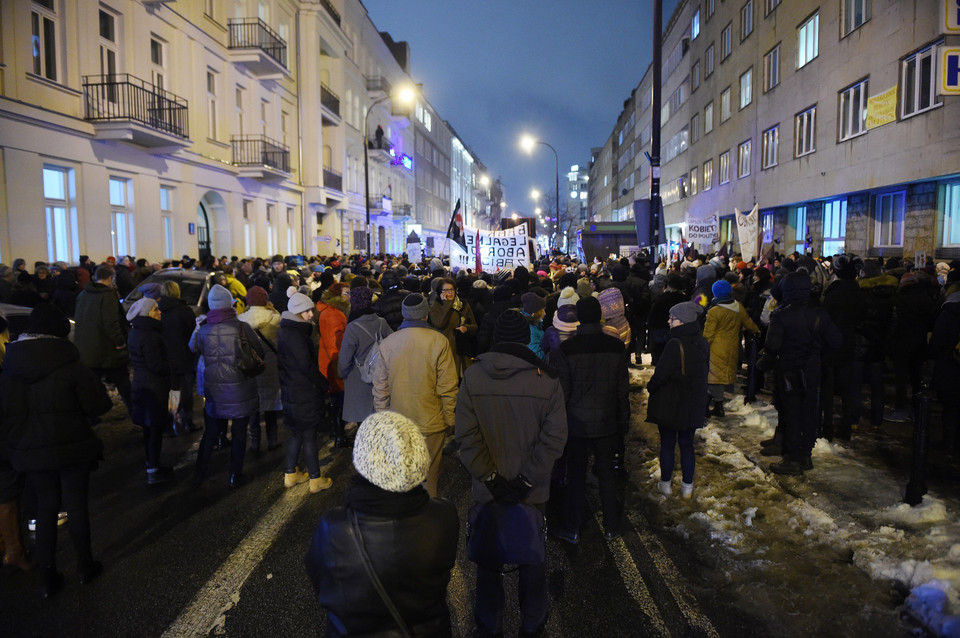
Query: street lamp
527,142
405,96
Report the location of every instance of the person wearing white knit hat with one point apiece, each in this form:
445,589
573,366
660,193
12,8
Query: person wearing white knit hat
409,538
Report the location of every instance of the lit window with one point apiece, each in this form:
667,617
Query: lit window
708,118
951,215
889,222
121,216
725,105
693,180
918,82
711,7
853,13
61,214
766,227
804,134
808,40
746,20
695,128
726,43
708,175
746,88
743,158
770,151
211,104
695,25
771,68
834,226
708,62
800,229
166,220
724,176
853,110
43,25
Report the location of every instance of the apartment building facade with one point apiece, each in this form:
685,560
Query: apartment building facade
825,115
211,127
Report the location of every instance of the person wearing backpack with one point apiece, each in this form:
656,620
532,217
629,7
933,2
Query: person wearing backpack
358,352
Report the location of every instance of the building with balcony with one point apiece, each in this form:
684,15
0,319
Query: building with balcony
171,127
825,115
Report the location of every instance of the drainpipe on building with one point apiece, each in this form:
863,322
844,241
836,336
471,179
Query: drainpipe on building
303,204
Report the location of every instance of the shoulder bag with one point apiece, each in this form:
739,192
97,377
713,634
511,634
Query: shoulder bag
248,360
501,534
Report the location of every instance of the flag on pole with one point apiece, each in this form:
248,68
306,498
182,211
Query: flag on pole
455,230
479,268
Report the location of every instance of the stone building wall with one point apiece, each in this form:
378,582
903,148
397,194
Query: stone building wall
859,225
920,220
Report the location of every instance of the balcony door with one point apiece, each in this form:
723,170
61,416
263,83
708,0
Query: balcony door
108,54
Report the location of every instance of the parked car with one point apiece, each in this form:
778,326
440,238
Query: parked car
18,317
194,286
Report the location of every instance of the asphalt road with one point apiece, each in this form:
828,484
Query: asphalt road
187,561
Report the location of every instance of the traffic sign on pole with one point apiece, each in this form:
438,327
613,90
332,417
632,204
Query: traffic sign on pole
950,71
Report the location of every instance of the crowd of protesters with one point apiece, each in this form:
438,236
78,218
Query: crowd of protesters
384,347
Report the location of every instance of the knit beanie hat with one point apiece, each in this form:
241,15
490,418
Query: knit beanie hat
150,290
532,302
390,452
686,311
511,327
47,319
568,297
588,310
871,268
360,298
583,288
706,275
414,307
298,303
257,296
611,303
567,313
219,298
390,279
502,293
674,281
722,289
795,287
141,308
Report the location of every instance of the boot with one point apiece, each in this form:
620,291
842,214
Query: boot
787,467
718,409
51,581
293,478
10,532
320,483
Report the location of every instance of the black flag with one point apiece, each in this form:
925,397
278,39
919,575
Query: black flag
455,230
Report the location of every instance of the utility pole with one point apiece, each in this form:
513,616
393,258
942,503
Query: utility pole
656,210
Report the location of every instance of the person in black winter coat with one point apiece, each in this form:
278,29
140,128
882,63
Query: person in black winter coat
502,299
685,362
278,293
946,372
915,308
151,383
843,300
302,391
388,306
659,315
871,343
410,538
48,400
596,387
177,325
65,295
798,333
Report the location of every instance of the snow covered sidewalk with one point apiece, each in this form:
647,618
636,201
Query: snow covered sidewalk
848,509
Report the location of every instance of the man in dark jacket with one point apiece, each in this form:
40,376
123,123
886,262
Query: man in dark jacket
798,333
502,299
915,308
843,300
101,332
660,312
596,388
388,306
177,323
511,428
946,372
48,400
411,539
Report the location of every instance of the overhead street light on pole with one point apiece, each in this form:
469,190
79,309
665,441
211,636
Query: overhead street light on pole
405,96
527,143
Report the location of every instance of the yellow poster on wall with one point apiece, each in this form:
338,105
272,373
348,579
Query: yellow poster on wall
882,108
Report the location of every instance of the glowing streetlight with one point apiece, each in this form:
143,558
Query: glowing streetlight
514,217
527,142
535,194
484,181
404,95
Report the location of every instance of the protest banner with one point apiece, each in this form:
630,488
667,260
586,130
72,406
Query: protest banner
747,227
497,249
703,230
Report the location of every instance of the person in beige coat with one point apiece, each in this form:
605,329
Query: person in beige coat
725,318
417,377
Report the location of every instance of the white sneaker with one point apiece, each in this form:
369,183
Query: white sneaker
686,489
665,488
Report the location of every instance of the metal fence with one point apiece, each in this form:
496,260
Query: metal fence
329,99
248,33
260,150
332,179
124,97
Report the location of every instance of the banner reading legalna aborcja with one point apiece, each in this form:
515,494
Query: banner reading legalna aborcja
498,249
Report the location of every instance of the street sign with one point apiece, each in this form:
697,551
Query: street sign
950,71
950,16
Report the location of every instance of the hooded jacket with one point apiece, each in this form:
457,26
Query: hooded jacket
875,329
178,323
48,400
101,327
690,372
151,371
511,420
301,385
230,394
332,320
722,330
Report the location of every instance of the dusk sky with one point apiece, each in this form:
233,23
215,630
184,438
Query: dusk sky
494,69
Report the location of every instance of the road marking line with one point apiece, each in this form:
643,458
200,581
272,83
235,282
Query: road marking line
208,608
631,577
671,576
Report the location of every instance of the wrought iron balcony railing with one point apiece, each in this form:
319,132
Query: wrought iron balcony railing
123,97
329,99
332,179
246,33
260,150
333,12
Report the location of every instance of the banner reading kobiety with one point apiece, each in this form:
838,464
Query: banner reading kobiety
498,249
